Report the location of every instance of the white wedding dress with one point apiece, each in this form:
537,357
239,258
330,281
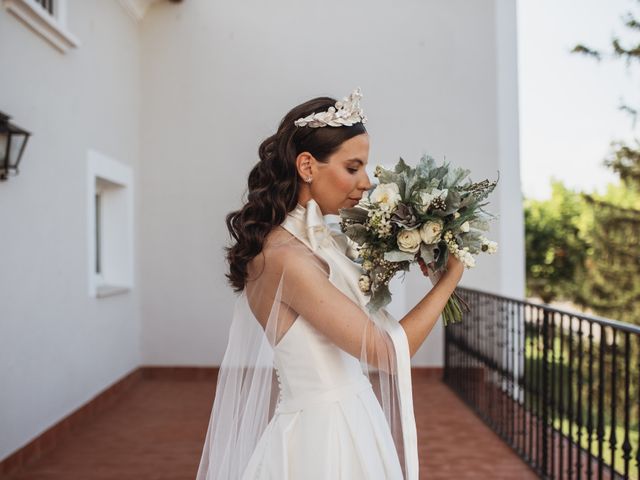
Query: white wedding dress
334,416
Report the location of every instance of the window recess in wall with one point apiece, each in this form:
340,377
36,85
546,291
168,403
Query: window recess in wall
110,221
48,18
47,5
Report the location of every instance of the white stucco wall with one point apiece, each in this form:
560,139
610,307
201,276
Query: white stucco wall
58,346
437,77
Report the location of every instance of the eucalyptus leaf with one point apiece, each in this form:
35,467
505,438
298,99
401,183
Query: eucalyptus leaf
357,214
358,233
379,299
387,176
401,166
426,252
399,256
455,175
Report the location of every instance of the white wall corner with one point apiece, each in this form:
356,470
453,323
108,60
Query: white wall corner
511,241
51,27
136,8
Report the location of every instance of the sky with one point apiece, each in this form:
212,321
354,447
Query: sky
568,103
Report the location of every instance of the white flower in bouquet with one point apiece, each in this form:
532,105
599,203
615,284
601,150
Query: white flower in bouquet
386,195
379,222
409,240
430,231
364,283
462,254
466,258
465,226
489,246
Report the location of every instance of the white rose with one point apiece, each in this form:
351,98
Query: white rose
456,214
465,226
409,240
386,194
430,231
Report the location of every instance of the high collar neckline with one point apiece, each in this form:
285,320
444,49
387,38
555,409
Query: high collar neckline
312,208
308,223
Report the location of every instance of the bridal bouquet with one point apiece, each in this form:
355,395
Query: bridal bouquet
418,215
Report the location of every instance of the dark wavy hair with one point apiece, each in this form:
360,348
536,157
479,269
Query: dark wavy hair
274,182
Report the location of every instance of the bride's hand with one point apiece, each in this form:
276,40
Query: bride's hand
453,263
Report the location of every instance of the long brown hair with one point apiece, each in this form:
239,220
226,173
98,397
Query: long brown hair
274,183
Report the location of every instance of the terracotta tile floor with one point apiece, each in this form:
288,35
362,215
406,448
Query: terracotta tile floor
156,431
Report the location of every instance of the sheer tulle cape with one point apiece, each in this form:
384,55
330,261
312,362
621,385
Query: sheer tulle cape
293,277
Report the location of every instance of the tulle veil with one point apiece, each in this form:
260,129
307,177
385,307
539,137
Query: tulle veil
248,388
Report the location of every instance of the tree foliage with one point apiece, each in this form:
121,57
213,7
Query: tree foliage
585,247
555,243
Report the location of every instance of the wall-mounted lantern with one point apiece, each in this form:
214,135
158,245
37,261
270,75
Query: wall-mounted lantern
13,139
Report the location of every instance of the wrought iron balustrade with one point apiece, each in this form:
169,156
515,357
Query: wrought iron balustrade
562,389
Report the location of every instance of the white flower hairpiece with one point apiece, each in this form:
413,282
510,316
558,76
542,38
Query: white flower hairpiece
346,112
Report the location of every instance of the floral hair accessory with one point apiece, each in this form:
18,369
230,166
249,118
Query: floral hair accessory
346,112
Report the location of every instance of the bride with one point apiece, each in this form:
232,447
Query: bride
312,385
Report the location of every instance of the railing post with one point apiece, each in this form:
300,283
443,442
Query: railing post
545,390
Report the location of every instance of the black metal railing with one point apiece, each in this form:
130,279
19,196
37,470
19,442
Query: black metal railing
562,389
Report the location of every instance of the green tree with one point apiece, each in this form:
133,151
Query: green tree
611,282
556,246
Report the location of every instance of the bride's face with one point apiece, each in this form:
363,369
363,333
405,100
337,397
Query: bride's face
341,181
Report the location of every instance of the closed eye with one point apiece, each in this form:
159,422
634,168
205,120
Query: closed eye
352,170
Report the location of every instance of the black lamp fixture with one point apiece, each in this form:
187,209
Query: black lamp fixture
13,139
